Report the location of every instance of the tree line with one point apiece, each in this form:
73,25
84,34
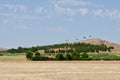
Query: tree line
65,47
67,56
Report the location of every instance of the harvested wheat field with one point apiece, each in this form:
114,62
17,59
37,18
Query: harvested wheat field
61,70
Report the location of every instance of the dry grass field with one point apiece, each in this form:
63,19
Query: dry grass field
60,70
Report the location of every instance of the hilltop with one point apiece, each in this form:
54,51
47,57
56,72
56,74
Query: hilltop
73,51
88,45
97,41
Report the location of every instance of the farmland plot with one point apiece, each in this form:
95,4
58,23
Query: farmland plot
60,70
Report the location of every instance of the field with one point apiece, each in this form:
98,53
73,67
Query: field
60,70
12,57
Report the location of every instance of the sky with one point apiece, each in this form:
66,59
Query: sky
29,23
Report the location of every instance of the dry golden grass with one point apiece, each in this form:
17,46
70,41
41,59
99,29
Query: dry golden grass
59,70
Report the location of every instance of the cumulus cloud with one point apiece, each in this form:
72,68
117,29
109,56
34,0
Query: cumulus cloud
98,12
83,11
16,7
70,11
39,10
56,8
59,10
114,14
19,16
72,2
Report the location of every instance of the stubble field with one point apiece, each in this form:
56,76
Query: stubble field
60,70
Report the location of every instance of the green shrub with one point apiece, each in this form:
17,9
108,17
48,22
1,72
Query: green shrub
68,56
112,57
59,57
29,55
35,58
96,58
75,56
40,58
37,54
1,54
85,55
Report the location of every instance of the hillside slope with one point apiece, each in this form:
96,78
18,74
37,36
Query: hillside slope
2,49
97,41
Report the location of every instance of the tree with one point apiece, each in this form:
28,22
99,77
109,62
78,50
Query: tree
59,57
37,57
33,49
68,56
29,55
12,50
37,54
75,56
85,56
109,48
20,50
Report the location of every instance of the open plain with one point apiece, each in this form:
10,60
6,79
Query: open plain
60,70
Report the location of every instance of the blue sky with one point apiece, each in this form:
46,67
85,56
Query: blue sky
41,22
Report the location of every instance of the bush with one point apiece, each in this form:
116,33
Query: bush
29,55
112,57
1,54
85,56
75,56
37,54
68,56
40,58
35,58
59,57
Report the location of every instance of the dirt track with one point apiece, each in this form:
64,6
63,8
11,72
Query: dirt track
49,70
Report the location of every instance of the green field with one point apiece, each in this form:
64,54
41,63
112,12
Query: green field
104,56
12,57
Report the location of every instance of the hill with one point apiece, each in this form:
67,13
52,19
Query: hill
88,45
3,49
97,41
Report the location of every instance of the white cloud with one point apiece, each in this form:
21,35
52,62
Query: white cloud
73,12
59,10
12,21
83,11
98,12
76,3
72,2
19,16
70,11
39,10
16,7
114,14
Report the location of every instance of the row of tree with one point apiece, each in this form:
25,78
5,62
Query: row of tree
65,47
68,56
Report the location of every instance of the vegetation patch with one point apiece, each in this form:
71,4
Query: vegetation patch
65,51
